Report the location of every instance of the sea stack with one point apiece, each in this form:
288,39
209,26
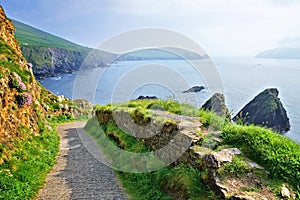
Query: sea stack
265,110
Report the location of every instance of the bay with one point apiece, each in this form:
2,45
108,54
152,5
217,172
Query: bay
242,79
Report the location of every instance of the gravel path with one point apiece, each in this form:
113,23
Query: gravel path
77,174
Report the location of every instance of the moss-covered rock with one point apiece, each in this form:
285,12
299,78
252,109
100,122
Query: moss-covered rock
216,104
266,110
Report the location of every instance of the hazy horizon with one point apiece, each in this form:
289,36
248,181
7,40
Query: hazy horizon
222,29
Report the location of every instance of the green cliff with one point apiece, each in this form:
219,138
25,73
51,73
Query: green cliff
52,55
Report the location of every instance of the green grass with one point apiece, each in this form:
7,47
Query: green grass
28,35
237,168
24,172
169,182
9,60
278,154
179,182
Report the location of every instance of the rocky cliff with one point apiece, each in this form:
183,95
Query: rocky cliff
266,110
24,104
7,32
50,61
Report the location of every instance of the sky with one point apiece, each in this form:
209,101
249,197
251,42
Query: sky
221,28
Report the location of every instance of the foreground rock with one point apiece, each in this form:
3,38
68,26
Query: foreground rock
266,110
194,89
216,104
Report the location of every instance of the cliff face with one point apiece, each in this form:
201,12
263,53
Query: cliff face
7,32
50,61
21,107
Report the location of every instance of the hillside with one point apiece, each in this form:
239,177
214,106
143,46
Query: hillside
28,35
28,117
280,53
52,55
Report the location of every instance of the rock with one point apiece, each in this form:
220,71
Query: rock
146,97
66,107
254,165
194,89
60,106
216,104
285,192
82,107
266,110
60,98
217,159
242,197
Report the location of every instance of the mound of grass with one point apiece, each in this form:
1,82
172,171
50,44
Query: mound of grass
278,154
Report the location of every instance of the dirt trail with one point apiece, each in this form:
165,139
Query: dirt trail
77,174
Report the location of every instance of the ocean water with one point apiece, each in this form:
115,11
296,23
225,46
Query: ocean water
239,79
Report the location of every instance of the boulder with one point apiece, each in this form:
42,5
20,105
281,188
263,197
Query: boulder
146,97
194,89
216,104
266,110
217,159
285,192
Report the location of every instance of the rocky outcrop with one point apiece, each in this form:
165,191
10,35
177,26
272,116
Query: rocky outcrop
266,110
217,159
216,104
7,32
194,89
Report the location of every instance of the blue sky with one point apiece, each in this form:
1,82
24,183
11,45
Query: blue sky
221,28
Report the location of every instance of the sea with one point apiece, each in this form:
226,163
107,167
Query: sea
239,79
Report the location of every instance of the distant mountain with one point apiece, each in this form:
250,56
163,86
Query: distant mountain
284,53
167,53
52,55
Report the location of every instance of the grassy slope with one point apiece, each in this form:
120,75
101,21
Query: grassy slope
28,35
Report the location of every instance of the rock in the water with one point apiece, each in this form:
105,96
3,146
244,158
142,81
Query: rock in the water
266,110
194,89
216,104
146,97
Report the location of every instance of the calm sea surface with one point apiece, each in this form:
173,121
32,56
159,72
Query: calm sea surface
242,80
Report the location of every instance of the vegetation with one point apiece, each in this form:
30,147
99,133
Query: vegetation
9,60
278,154
24,171
179,182
237,168
28,35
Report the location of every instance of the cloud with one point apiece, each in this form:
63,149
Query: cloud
231,27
